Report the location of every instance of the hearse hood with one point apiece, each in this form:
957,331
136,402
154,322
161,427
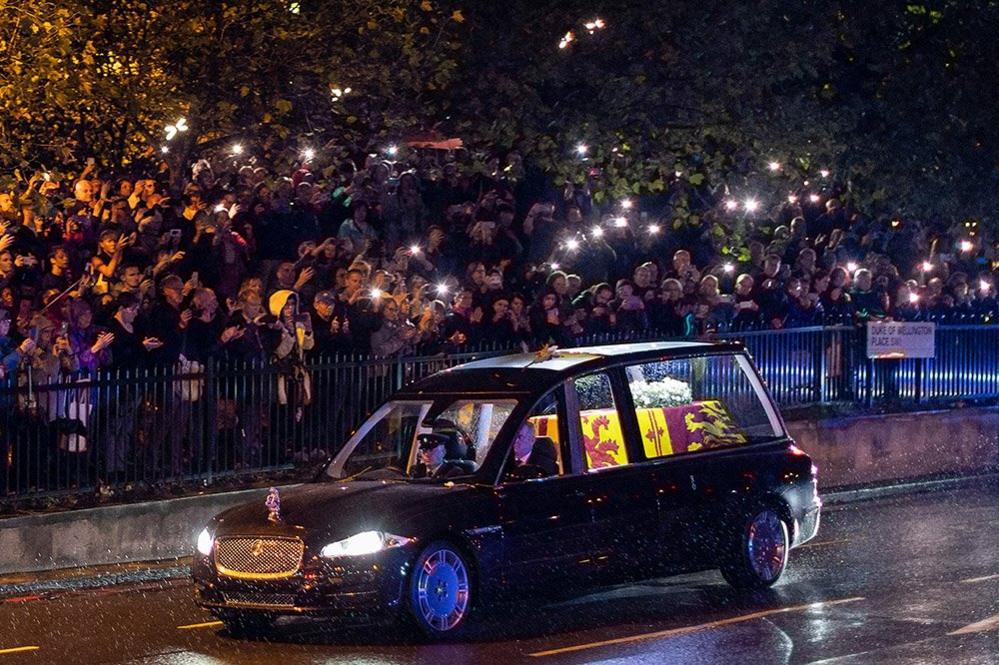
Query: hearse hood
342,509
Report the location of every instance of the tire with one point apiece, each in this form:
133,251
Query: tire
757,550
440,591
246,624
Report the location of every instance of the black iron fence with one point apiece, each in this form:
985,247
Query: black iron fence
119,430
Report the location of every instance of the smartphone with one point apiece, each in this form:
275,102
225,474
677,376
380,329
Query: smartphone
90,161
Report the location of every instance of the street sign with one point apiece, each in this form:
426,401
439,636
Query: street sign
900,340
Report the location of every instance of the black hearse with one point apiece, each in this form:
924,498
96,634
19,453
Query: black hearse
526,473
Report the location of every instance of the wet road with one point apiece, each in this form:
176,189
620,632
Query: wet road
908,579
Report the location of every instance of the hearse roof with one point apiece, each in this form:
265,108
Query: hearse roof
526,373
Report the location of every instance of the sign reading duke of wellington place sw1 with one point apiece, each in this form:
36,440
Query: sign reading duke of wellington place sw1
900,340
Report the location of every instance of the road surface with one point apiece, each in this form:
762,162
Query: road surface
907,579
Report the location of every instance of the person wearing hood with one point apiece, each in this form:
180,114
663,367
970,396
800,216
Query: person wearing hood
295,329
51,354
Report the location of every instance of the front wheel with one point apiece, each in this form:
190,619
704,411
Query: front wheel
440,591
757,552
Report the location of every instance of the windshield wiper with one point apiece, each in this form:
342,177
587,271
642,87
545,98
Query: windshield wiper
397,473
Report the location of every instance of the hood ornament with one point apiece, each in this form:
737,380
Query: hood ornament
273,504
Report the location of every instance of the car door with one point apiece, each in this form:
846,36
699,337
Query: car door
710,409
661,397
547,522
615,485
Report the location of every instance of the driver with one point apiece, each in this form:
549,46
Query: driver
441,455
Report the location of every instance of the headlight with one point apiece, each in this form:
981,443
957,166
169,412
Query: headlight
366,542
205,542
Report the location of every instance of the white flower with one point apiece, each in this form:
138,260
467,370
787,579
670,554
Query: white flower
666,392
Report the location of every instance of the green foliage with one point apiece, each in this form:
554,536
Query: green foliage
111,74
685,99
892,98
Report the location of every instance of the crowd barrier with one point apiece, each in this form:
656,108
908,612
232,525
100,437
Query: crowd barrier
156,427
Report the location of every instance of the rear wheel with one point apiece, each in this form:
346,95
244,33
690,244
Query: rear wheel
757,552
246,624
440,591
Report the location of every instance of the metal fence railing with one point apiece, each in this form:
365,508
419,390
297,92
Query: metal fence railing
151,427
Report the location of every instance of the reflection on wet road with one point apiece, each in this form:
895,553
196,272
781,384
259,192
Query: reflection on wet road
909,579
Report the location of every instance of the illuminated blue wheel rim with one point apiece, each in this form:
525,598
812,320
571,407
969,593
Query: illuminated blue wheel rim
442,589
766,545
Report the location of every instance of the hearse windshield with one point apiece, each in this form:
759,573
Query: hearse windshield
428,440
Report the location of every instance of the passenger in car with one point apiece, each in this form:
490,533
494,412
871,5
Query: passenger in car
536,454
523,443
544,456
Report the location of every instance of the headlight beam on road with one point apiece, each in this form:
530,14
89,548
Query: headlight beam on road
206,624
686,630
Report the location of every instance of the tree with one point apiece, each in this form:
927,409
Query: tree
108,75
696,98
687,99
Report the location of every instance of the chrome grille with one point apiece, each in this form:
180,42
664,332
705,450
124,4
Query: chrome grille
259,558
261,599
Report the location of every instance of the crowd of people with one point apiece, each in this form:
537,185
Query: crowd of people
159,266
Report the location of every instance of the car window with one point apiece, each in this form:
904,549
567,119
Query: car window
458,432
387,442
686,405
481,420
600,423
536,447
